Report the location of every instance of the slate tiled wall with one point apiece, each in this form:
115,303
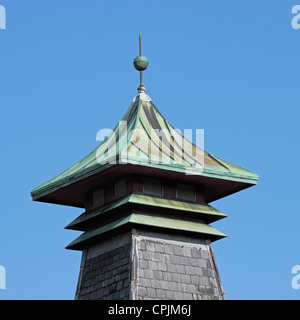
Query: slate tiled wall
150,267
174,270
106,276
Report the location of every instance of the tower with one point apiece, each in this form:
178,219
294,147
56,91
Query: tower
146,191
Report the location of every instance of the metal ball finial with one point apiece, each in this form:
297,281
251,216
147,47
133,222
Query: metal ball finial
141,63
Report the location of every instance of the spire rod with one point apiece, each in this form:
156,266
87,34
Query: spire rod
140,38
141,63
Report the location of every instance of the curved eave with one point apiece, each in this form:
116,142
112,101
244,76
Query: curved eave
53,193
207,212
203,230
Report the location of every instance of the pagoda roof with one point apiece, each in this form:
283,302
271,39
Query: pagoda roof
144,142
206,231
202,210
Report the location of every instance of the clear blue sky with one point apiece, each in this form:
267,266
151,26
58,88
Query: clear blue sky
228,67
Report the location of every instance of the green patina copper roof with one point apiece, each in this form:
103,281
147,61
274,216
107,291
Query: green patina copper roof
144,137
204,209
148,220
144,143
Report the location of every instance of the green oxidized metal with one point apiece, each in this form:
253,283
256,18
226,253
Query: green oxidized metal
203,210
141,63
205,230
142,119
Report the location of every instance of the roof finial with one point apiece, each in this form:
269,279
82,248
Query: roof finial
141,64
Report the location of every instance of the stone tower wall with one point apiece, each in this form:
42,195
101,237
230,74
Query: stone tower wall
143,265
